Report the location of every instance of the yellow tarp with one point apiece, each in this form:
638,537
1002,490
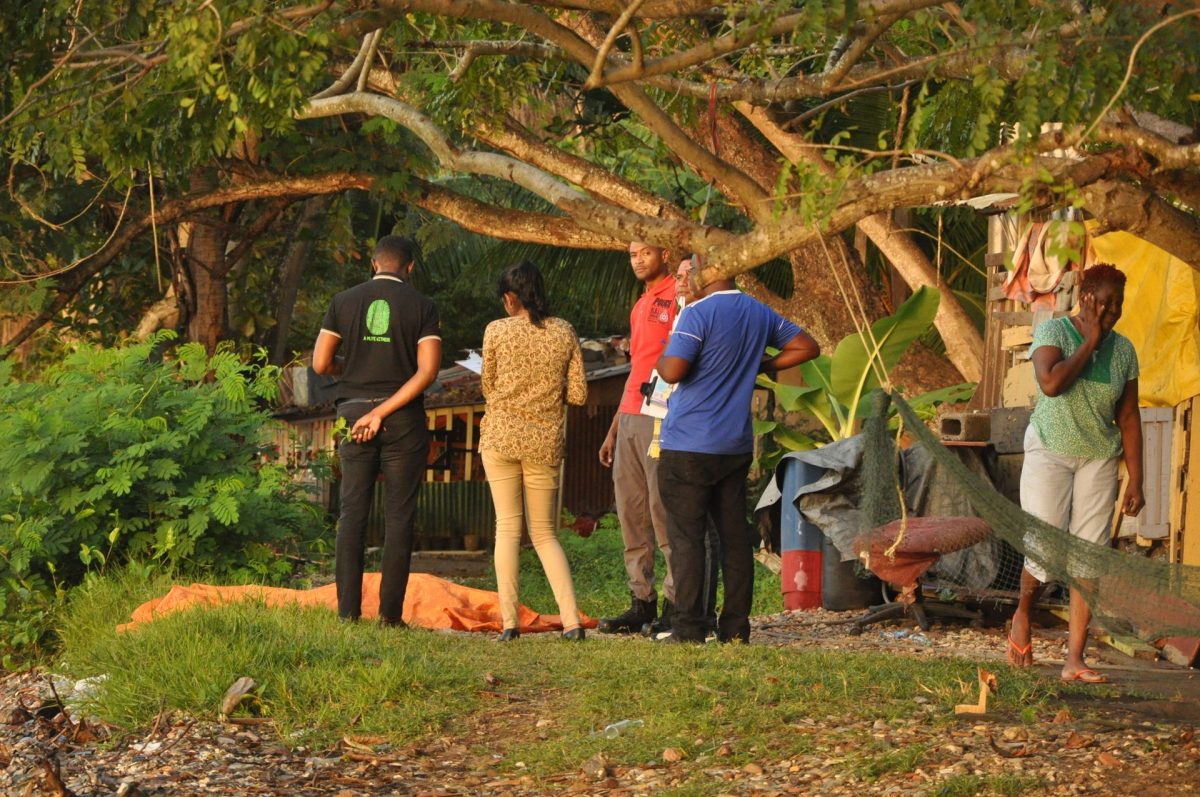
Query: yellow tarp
1161,317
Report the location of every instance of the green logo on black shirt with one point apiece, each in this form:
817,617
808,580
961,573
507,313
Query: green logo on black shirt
379,316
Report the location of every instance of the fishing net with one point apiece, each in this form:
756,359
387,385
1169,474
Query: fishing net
1128,593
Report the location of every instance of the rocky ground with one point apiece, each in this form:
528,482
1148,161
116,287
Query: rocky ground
1144,742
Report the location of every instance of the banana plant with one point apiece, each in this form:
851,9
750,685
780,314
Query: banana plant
836,388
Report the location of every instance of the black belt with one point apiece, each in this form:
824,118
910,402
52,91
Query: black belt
343,402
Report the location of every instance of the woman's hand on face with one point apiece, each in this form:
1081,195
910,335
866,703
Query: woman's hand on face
1089,319
1133,501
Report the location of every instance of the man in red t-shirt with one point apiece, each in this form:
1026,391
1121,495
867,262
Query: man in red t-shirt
643,519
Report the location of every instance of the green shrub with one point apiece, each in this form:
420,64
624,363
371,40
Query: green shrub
117,455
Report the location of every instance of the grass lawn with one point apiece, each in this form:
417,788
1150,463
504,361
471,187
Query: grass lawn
321,680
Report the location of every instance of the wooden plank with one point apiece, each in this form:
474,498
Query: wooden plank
1190,545
1020,385
1011,317
1118,519
1130,646
1157,427
1016,336
1179,441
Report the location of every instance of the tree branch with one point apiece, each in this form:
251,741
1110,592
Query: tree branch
517,140
1181,185
1000,171
73,281
511,225
584,53
744,189
348,77
1122,206
723,45
964,344
858,49
1170,155
290,14
652,9
473,50
592,215
1008,59
596,78
261,224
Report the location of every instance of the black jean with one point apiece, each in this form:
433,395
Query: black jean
399,452
712,571
693,487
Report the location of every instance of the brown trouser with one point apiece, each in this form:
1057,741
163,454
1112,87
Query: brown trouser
639,507
516,487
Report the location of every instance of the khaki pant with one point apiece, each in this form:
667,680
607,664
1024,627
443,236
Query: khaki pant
1075,494
520,490
639,507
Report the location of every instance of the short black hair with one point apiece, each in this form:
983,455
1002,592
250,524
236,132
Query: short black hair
1099,275
395,251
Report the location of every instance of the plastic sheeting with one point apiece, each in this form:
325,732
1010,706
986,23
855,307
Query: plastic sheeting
1161,317
831,503
430,602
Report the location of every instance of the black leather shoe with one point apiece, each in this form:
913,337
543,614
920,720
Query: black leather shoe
508,635
575,634
663,624
637,615
392,622
675,639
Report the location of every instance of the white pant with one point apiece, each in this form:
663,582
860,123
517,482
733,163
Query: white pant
1075,494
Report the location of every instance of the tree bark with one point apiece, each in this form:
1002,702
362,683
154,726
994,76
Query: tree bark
1121,206
207,268
511,225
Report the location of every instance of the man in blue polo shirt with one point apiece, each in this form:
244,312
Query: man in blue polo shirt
716,351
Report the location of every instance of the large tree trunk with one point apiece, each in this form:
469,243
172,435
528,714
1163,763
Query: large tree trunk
206,245
299,248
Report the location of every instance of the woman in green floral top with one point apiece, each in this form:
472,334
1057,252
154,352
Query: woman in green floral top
1085,422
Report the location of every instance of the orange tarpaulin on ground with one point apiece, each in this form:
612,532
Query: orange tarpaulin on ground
430,602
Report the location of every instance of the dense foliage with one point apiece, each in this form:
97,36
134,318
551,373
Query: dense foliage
113,114
121,454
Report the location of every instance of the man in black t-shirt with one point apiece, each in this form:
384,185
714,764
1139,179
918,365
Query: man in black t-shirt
390,344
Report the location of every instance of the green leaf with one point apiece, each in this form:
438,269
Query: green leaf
859,358
761,428
225,509
924,404
791,440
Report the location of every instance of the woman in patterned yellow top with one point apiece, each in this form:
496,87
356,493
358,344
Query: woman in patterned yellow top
531,364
